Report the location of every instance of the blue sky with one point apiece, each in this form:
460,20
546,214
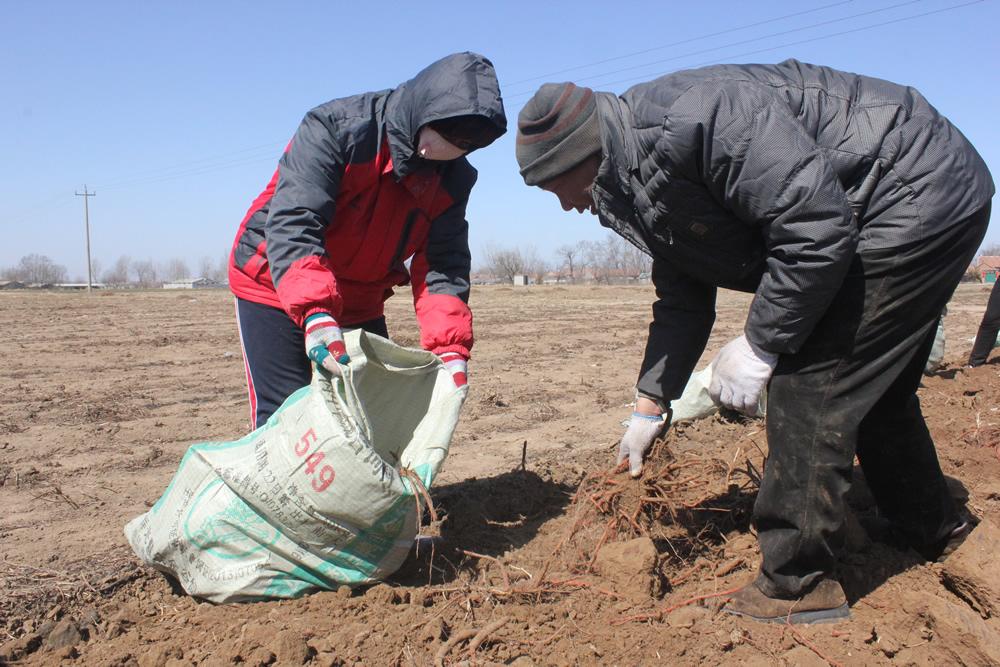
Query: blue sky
175,113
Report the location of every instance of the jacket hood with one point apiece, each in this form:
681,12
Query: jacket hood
462,84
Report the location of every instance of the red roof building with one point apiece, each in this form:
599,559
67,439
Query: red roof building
988,268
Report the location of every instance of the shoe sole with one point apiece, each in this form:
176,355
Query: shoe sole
834,615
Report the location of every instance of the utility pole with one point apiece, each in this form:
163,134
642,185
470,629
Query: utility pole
86,221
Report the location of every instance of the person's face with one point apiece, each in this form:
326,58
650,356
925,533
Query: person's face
433,146
574,186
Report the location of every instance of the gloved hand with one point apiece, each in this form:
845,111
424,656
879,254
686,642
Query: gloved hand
739,374
325,343
458,367
642,431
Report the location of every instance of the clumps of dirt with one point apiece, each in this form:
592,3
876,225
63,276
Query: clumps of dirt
494,399
632,567
32,595
25,477
8,426
982,435
959,635
963,571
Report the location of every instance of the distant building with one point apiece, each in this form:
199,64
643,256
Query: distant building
75,285
12,284
520,280
484,279
988,268
193,283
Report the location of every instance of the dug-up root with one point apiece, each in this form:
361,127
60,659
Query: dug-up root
667,499
685,505
477,637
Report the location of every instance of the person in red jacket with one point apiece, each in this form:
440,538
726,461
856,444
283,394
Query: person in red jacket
367,183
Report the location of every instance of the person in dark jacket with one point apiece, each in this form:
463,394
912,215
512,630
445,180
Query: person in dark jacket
367,183
850,207
986,337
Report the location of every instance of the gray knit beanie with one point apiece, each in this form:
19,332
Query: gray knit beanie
556,130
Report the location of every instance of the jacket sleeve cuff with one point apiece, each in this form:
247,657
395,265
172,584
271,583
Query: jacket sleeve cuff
660,403
460,350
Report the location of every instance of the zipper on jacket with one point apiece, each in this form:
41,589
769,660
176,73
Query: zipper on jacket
670,232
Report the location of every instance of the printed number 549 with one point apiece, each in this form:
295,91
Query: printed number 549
322,477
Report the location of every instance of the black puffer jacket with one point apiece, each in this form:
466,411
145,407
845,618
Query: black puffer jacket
768,179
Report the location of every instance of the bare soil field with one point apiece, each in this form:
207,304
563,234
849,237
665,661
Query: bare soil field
548,557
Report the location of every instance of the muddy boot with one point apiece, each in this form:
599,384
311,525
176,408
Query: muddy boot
825,603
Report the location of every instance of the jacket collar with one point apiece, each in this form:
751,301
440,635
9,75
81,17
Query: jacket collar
614,196
612,189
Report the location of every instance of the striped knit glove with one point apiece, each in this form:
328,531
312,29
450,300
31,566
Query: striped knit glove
324,342
458,367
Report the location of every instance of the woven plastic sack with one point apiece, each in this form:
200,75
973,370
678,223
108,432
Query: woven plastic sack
322,495
936,359
695,402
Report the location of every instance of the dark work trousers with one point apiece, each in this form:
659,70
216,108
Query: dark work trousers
274,355
851,389
988,328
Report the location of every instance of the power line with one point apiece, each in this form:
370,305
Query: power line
195,172
683,41
803,41
181,171
216,163
219,161
747,41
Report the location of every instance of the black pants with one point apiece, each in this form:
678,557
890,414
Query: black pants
988,328
851,389
274,355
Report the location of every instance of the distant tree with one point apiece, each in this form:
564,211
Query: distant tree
632,261
569,257
118,273
206,268
504,263
615,259
534,266
992,249
221,273
96,266
598,257
145,273
175,269
36,268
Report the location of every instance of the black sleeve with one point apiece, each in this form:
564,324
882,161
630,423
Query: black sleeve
683,315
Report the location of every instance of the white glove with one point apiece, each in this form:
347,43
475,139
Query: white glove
739,374
642,431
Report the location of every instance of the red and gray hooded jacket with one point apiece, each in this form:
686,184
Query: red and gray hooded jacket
351,201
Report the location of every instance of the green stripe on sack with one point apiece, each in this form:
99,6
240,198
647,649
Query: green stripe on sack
362,557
